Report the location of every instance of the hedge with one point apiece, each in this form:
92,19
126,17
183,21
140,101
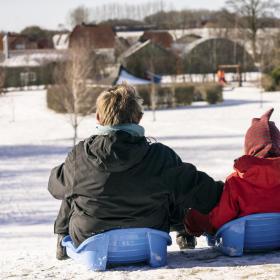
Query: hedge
275,74
271,81
210,92
267,83
184,94
167,96
43,75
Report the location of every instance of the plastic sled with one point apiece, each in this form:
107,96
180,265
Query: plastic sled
252,233
121,246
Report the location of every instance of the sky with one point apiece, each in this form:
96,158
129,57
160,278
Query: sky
15,15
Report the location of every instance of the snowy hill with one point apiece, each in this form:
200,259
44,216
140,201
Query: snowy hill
34,139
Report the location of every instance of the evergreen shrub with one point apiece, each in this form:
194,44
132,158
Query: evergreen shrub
275,74
214,93
267,83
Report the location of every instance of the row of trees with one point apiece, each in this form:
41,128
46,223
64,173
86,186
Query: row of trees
163,16
247,17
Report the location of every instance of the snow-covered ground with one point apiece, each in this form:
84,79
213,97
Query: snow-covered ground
34,139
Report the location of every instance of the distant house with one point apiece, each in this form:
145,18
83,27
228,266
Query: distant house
20,42
162,38
28,62
44,43
144,58
100,38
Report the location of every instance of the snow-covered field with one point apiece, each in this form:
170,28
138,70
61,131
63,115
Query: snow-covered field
34,139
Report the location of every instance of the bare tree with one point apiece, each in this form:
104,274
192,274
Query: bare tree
270,51
78,16
71,77
127,11
250,13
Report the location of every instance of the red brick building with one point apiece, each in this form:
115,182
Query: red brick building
95,36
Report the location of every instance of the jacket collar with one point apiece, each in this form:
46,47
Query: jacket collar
131,128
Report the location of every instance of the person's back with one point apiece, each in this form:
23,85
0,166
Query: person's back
118,185
118,179
253,188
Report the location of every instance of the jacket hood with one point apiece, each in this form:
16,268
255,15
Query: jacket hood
263,172
263,137
117,151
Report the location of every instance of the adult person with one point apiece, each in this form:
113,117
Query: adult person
117,178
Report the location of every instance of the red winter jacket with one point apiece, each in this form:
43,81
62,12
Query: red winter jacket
253,188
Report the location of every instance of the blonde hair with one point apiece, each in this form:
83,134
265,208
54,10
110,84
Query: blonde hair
119,105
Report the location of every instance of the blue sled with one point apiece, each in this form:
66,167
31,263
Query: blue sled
252,233
121,246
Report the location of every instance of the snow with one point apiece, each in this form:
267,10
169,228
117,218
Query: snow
210,77
61,41
34,139
29,59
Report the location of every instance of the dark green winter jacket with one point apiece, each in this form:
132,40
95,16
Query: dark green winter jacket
120,181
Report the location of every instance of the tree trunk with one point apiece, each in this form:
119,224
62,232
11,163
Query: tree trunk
173,95
254,47
153,101
75,127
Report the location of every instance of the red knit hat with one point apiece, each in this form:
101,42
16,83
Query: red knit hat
263,137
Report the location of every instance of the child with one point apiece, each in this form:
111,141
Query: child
221,77
253,188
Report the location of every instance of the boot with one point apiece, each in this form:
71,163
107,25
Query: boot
185,241
61,250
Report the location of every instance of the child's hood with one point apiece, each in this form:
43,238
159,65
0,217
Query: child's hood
264,172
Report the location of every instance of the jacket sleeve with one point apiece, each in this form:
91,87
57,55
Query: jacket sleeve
196,223
228,207
191,188
61,179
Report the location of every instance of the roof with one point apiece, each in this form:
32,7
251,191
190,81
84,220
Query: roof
188,38
98,36
61,41
162,38
125,76
134,48
194,44
32,58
